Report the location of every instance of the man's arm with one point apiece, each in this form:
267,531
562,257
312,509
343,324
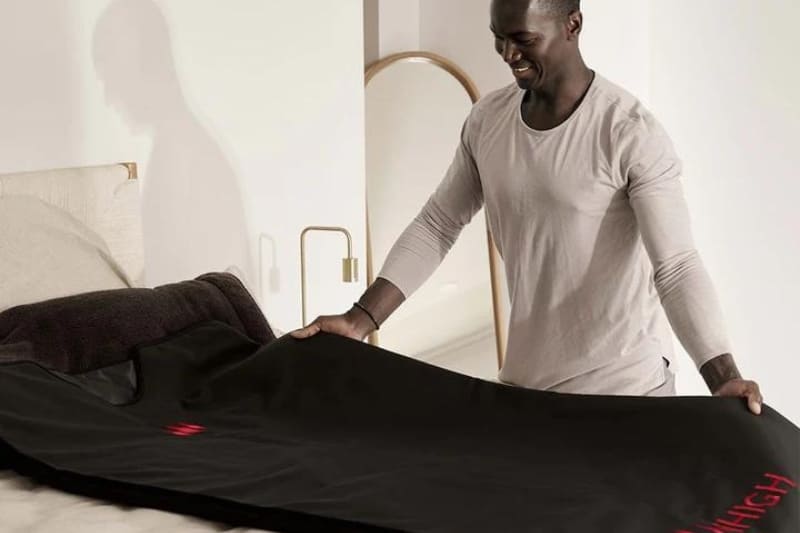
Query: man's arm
723,379
418,251
719,371
687,294
379,301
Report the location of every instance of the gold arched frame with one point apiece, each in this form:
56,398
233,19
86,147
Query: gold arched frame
451,68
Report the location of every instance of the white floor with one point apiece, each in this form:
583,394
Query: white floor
474,355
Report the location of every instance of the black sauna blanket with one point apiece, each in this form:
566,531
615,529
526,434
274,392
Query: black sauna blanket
329,434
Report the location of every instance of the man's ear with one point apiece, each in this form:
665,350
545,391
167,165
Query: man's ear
574,25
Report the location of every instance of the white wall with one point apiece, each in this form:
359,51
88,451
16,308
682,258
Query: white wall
727,93
721,76
399,29
242,124
459,31
616,42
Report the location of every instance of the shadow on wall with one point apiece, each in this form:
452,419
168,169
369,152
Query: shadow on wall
193,213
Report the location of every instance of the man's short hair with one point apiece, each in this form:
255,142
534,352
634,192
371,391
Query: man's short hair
558,8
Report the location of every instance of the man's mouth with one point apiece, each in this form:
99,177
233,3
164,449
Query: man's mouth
523,72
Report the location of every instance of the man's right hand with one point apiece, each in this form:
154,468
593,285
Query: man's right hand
354,324
381,298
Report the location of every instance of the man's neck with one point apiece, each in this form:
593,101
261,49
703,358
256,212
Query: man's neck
549,106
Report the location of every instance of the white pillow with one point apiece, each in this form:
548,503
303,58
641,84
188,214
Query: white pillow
47,253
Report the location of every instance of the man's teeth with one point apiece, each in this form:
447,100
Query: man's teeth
523,69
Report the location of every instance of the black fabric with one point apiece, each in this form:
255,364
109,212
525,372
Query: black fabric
115,384
329,434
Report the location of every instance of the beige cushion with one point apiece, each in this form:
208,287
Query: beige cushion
102,197
45,252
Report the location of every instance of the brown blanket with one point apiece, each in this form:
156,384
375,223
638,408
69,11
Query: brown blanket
93,330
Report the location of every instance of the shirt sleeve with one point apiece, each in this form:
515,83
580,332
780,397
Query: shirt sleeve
653,173
422,246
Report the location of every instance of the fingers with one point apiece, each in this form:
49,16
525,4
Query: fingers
744,389
308,331
754,398
754,405
750,391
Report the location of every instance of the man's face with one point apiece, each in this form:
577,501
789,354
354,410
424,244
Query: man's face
535,46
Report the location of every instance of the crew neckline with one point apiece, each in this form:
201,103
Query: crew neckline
589,92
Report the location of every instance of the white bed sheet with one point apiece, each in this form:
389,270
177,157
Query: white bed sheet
27,507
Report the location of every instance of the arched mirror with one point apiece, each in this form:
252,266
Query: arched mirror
416,104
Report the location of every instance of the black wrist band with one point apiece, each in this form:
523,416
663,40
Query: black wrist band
356,304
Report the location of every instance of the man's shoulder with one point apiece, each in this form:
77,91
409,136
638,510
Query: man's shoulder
493,102
502,96
622,112
619,102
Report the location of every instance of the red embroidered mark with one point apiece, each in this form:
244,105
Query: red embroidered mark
183,429
744,515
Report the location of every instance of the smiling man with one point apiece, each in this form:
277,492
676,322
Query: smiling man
582,190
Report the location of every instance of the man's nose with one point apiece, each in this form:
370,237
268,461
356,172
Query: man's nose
510,52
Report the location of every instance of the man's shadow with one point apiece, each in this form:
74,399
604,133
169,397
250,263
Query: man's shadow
193,213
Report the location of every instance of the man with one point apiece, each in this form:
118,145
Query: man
582,191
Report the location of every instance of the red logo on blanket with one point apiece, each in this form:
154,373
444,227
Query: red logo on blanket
742,516
182,429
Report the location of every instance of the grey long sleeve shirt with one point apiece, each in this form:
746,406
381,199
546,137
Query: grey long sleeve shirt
592,224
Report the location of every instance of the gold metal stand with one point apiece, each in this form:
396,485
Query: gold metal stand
349,263
133,170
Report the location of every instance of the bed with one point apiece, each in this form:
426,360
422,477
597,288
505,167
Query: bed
236,426
100,206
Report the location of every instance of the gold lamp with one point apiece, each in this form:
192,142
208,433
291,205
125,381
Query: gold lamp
349,263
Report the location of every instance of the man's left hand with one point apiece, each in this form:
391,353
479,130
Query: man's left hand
742,388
